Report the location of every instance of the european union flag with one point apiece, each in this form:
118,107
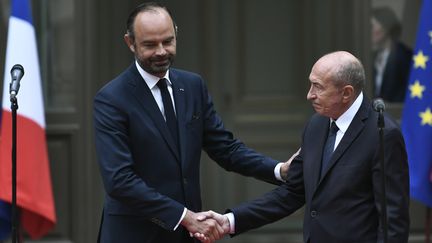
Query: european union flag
417,112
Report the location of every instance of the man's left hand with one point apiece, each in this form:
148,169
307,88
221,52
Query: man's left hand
285,166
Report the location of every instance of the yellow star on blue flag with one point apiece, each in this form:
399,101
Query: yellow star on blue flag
417,115
416,90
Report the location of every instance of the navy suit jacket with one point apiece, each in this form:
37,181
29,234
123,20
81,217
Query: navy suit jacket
148,180
344,204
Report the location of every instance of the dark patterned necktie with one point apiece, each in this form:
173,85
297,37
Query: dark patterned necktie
171,119
329,146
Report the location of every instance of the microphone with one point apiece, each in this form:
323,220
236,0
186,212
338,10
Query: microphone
17,72
378,105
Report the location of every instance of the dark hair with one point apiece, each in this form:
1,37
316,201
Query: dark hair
144,7
388,20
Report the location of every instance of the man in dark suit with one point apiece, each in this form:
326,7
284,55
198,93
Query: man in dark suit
151,123
343,192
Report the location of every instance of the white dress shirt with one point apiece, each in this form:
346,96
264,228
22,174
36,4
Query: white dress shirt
346,118
151,82
342,122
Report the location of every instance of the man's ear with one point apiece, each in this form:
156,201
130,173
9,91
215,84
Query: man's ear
348,93
129,42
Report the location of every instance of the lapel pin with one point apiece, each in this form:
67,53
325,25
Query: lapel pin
181,89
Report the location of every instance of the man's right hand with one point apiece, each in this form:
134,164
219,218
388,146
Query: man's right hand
208,230
222,220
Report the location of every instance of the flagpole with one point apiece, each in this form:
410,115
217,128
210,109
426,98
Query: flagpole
15,223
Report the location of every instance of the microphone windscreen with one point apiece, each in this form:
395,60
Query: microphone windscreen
378,104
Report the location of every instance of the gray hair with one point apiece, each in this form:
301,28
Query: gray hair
350,72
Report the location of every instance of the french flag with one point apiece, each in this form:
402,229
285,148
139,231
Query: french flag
34,191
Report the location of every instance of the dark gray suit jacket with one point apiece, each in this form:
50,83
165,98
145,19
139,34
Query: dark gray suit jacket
344,204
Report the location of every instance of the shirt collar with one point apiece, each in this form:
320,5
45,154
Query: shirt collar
346,118
150,79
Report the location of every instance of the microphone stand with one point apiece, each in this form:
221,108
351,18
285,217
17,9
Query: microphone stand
384,224
15,220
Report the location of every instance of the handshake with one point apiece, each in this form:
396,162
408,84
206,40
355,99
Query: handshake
210,226
206,226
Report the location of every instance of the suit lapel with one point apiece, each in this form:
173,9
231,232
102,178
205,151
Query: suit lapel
321,136
143,94
179,94
354,129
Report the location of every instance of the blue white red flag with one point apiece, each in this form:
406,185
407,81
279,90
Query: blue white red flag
34,190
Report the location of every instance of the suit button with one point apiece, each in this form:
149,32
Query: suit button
313,214
185,181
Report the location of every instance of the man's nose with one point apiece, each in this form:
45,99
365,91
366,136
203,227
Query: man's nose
310,95
160,50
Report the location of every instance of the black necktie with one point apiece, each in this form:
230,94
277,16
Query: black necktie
329,146
170,116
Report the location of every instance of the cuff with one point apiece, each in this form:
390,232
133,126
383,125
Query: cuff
277,172
231,220
181,218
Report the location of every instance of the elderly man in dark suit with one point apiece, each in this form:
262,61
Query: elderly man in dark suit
337,174
151,123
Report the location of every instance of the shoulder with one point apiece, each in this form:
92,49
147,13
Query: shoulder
392,129
130,76
391,125
317,119
315,123
188,80
185,75
120,84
